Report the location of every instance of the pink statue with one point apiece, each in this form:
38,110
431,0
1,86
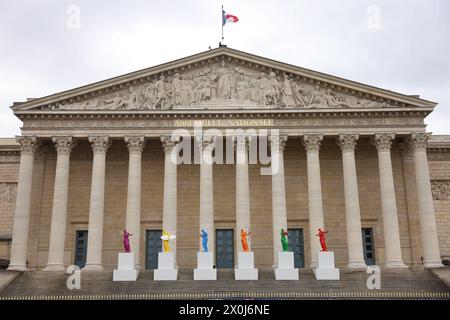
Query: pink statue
321,235
126,240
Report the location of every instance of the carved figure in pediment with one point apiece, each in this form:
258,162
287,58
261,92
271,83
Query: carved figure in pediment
302,95
349,100
317,97
162,95
115,102
132,101
186,86
225,82
176,89
263,86
242,90
254,94
366,103
149,97
331,99
287,94
273,90
204,90
90,104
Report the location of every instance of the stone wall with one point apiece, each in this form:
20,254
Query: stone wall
440,173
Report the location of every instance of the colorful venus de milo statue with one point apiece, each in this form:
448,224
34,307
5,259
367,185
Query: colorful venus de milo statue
321,235
204,236
284,240
126,241
166,236
244,240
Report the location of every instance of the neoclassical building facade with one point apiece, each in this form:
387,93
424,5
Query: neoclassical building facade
353,159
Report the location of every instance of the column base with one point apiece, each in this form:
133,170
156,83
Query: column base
357,265
395,265
93,267
17,267
55,267
433,264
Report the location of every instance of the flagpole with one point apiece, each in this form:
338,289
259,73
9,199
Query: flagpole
221,14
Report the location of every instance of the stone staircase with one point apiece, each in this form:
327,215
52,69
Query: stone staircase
398,284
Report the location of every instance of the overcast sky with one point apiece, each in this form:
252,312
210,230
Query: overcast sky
400,45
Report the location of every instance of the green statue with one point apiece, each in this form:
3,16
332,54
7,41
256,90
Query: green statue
284,240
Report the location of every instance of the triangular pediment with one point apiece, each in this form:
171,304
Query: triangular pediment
222,78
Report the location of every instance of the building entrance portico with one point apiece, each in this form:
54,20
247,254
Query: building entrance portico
112,156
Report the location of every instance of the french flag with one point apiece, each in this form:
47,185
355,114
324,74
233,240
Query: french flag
228,18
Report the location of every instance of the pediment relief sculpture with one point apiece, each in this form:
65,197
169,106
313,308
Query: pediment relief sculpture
222,82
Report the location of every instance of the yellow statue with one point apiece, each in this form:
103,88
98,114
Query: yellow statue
166,237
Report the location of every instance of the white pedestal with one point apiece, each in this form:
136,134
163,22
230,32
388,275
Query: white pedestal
286,270
205,264
166,270
325,267
126,270
246,267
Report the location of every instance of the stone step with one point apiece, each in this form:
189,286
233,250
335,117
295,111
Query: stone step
100,282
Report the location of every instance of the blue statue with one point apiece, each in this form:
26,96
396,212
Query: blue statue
204,236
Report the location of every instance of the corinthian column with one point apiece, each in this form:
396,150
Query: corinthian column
58,228
312,145
135,146
393,252
242,189
207,191
170,189
432,258
279,212
28,146
97,203
352,210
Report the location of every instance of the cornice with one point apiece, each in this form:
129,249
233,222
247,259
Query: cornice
217,114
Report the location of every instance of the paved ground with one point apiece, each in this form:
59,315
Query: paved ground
400,284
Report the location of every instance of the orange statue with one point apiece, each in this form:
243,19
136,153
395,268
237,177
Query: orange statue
244,236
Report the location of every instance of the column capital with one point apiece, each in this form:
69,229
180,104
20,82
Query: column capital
312,142
135,143
418,141
64,144
347,142
279,143
205,141
99,144
28,144
383,141
168,144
